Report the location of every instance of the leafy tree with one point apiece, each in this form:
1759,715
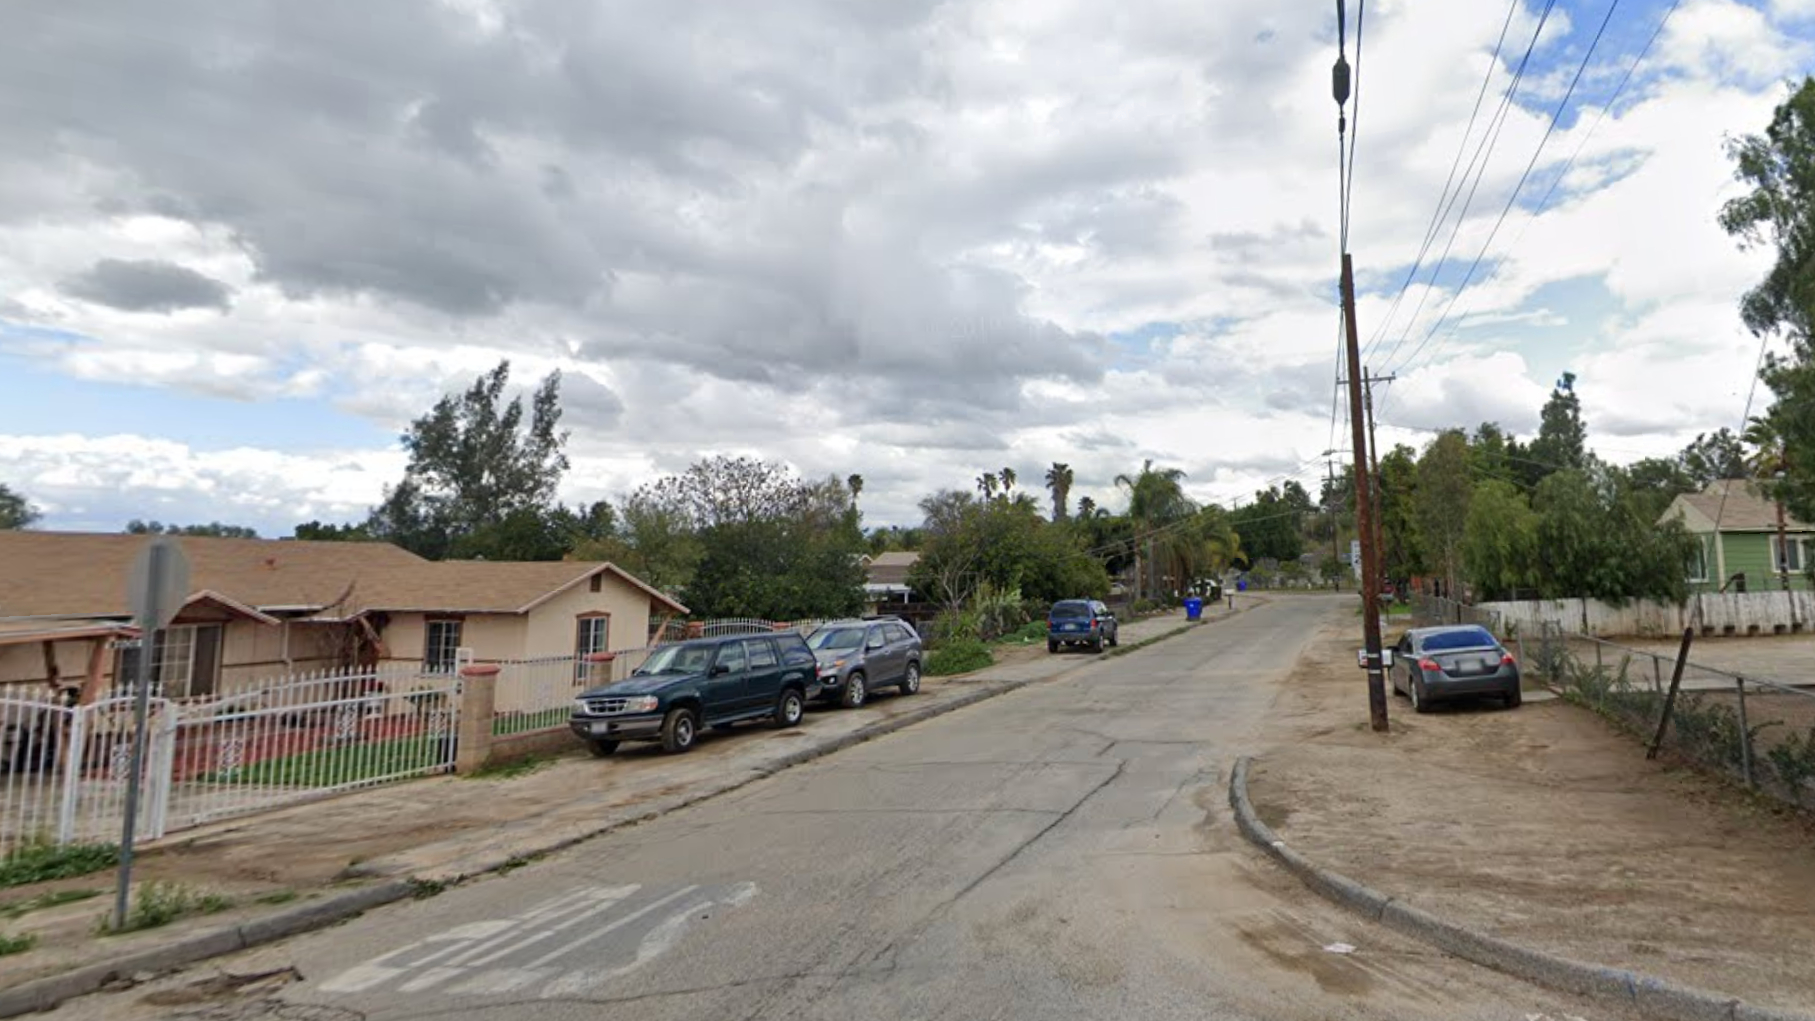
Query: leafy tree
1058,482
1778,210
763,543
1595,541
1399,513
1087,508
1655,481
652,539
322,531
15,511
1156,497
1444,485
894,537
476,467
1500,541
998,545
1270,526
213,529
1562,441
1711,457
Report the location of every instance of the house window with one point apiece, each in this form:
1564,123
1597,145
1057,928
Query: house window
598,582
593,634
441,647
185,662
1787,555
1698,561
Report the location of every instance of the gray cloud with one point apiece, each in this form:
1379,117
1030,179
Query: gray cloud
148,285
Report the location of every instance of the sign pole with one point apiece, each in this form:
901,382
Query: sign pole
158,588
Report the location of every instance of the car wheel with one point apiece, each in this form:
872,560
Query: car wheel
1096,645
601,749
1419,705
1052,646
680,730
910,685
856,691
1514,698
1115,637
789,708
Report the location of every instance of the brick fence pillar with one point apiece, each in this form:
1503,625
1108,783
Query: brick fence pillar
478,706
696,629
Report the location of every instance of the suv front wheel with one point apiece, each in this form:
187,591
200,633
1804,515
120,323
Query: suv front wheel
789,708
680,730
856,691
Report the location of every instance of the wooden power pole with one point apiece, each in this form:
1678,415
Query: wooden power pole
1364,510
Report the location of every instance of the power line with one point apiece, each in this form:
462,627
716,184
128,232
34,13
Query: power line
1483,155
1549,129
1430,231
1348,184
1570,163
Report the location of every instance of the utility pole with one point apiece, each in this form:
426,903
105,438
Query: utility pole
1364,511
1330,512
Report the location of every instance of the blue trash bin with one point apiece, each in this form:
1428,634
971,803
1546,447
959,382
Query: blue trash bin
1194,608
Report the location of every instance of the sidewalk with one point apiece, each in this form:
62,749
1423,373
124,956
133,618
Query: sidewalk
1543,827
448,828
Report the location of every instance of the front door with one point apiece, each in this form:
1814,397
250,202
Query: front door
724,687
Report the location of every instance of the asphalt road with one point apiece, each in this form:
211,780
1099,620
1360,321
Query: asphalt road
1061,852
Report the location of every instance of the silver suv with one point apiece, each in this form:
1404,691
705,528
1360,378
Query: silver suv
858,656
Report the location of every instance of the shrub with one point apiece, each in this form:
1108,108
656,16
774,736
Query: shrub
959,656
159,904
16,944
39,861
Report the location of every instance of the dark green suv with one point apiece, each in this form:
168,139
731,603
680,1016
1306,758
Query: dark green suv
712,682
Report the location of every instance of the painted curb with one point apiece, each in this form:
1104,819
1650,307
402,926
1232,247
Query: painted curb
46,993
1654,997
50,991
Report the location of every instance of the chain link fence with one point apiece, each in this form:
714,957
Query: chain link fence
1759,731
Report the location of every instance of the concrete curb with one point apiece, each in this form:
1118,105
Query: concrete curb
46,993
1654,997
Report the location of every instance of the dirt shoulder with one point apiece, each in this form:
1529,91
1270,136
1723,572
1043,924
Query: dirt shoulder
1544,826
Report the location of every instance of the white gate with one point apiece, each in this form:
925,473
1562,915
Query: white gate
64,771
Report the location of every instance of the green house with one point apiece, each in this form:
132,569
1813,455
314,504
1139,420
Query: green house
1745,543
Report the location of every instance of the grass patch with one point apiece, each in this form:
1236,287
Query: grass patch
423,889
159,904
55,898
958,656
278,897
1031,633
336,767
40,861
512,769
16,944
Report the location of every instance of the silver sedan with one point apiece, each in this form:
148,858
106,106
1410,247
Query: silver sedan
1437,664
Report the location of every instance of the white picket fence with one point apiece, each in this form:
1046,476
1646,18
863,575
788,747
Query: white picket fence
65,772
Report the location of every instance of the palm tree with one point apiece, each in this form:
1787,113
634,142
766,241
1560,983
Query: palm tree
1769,460
856,484
986,484
1155,499
1007,475
1087,508
1058,480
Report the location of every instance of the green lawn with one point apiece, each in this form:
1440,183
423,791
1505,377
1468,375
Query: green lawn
335,767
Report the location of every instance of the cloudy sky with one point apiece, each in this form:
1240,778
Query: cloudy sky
242,244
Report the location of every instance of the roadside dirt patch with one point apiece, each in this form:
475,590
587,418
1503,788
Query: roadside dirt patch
1545,826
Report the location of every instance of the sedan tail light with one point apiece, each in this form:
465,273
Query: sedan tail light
1429,666
1507,660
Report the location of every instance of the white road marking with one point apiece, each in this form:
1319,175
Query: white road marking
655,943
613,927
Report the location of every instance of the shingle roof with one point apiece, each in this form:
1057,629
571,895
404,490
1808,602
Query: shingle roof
891,568
1744,509
84,574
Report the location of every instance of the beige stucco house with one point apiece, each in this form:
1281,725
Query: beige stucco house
263,608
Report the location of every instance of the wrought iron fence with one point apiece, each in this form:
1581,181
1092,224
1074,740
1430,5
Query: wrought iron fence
538,694
1760,731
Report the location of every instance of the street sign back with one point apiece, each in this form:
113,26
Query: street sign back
159,583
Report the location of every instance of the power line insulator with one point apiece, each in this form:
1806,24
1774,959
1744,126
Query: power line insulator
1339,80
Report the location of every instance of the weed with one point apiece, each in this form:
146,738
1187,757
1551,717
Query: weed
515,862
512,769
52,899
16,944
159,904
1794,760
39,861
423,889
279,897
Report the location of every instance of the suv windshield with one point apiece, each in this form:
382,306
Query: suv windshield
677,659
1473,638
837,638
1071,609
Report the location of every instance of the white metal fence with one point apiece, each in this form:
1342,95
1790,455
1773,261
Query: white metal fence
64,775
538,694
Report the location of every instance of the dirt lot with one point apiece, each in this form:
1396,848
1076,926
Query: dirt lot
1545,826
